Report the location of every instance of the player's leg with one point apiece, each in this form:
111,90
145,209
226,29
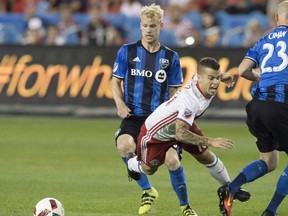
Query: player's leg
139,166
178,181
259,119
154,154
204,156
125,143
149,193
251,172
213,164
177,176
218,171
148,196
279,194
255,170
280,132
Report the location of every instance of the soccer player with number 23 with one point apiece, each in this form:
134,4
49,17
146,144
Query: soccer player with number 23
267,112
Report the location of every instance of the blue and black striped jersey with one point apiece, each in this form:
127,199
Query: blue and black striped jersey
270,53
147,76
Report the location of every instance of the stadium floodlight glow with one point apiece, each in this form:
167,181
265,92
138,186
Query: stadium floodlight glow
189,41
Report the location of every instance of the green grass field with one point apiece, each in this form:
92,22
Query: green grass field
76,161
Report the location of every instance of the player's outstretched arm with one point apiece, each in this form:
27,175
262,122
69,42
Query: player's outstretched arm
184,135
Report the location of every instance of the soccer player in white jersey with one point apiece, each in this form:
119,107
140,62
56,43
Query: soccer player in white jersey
173,123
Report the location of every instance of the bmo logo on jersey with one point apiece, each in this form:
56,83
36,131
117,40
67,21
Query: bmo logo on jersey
143,73
160,75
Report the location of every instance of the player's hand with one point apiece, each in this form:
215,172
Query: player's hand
124,112
222,143
228,79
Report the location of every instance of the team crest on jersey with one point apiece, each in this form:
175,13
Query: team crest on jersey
115,67
161,76
163,62
187,113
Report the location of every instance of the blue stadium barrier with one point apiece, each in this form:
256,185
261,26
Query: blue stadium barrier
168,38
10,34
16,20
195,18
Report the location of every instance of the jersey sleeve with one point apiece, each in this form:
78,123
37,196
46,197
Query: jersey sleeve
175,78
252,53
120,64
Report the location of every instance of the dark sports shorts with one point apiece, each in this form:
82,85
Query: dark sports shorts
131,126
268,122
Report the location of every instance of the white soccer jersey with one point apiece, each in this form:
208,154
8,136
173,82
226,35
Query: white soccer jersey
186,105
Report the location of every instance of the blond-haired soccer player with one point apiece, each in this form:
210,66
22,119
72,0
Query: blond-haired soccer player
145,74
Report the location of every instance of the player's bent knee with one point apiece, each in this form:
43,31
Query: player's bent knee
125,144
172,160
271,166
271,159
172,163
206,157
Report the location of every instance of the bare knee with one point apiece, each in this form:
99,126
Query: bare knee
125,144
172,161
271,165
271,159
207,157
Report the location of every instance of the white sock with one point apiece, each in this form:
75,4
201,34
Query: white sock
135,165
218,171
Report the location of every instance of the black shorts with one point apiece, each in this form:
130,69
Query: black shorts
131,126
268,122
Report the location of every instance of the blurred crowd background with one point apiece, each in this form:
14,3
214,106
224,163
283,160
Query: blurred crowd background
208,23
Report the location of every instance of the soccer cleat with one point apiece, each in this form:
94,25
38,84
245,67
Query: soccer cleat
132,174
187,210
226,200
242,195
268,213
148,198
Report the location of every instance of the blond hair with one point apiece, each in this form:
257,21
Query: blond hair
153,11
282,7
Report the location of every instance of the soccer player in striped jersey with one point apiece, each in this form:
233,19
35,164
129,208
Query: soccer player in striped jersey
267,112
145,74
173,123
